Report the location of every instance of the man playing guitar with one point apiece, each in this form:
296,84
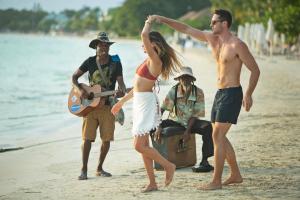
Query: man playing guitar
104,70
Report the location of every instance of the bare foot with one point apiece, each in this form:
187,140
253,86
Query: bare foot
150,188
169,174
210,186
233,180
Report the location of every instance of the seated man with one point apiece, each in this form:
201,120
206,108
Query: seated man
185,102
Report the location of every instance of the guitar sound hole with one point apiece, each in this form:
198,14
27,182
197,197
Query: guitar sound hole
91,96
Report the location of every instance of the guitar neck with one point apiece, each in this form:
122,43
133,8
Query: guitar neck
103,94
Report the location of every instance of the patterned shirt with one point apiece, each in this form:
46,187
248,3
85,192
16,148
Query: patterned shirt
193,107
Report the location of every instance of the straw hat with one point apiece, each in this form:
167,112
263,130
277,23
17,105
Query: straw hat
185,71
101,37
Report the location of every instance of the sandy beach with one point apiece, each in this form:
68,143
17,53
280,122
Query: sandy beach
266,141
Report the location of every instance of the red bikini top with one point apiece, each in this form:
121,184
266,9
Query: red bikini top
144,72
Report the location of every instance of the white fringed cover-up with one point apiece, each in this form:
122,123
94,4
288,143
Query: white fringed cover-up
146,113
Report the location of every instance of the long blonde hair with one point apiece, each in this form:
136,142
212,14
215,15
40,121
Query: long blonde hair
170,62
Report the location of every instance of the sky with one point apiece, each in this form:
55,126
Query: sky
59,5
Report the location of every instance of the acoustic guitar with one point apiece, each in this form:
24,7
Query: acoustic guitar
82,106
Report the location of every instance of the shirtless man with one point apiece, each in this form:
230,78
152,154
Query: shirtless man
230,53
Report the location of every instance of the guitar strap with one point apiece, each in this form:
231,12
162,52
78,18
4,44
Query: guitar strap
120,116
104,78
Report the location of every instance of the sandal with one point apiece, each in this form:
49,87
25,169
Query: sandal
83,176
103,173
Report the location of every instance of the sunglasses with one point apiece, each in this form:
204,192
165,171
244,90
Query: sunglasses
213,22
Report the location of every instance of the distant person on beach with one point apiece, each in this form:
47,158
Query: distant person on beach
104,69
162,61
182,42
230,53
185,103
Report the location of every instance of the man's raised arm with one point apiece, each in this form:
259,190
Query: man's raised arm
182,27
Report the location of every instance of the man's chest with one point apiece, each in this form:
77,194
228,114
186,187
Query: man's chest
106,69
225,54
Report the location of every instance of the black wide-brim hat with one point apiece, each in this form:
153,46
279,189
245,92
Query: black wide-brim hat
101,37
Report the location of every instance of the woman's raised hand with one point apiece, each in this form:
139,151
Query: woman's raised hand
155,18
149,19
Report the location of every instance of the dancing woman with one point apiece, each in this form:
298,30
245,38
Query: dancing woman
162,61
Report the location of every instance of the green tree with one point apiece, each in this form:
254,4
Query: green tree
284,13
91,19
23,20
128,20
83,20
45,25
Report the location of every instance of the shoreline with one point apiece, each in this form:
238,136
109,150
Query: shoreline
73,35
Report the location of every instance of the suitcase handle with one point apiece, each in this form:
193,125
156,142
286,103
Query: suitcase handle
182,146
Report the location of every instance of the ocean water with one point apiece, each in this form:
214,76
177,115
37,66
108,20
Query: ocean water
35,80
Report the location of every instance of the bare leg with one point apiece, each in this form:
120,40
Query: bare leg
141,144
85,148
219,139
235,175
150,172
103,152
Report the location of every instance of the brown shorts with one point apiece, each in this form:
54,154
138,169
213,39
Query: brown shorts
100,117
